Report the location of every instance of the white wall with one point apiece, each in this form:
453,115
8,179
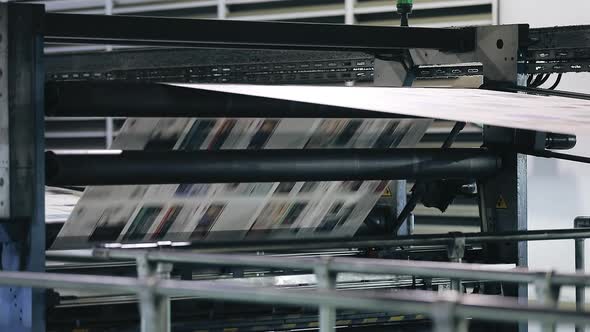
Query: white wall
558,191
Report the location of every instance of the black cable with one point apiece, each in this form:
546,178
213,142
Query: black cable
419,188
539,80
529,80
557,81
536,80
544,79
540,92
453,135
564,156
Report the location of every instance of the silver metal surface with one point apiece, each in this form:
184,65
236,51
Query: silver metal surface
548,294
579,250
358,265
154,308
499,63
456,251
474,306
326,280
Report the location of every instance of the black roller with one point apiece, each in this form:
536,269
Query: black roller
130,99
560,141
227,166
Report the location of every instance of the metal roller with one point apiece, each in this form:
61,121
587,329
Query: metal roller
227,166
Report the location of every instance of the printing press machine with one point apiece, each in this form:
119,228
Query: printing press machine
125,83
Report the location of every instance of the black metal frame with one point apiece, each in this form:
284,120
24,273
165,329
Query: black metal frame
22,235
228,166
129,30
26,246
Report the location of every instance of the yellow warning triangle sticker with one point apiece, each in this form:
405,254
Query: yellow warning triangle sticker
387,192
501,203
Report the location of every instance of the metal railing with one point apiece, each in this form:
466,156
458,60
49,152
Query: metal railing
448,312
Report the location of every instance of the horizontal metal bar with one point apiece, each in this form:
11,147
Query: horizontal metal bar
343,264
473,306
412,240
228,166
127,99
206,33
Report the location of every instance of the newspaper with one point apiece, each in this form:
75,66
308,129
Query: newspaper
550,114
235,211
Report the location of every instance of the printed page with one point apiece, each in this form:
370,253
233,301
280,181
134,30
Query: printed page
236,211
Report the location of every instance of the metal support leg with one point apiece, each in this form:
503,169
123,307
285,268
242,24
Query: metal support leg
444,317
548,295
580,222
154,308
22,186
503,200
456,252
326,279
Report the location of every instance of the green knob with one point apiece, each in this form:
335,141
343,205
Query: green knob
404,6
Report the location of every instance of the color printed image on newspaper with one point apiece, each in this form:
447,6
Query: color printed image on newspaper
235,211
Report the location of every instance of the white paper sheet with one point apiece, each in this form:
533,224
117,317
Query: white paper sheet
514,110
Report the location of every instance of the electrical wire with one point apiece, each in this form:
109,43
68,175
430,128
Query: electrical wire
557,81
418,188
544,79
538,81
563,156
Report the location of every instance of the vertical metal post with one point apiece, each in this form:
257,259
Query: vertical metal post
400,195
495,12
154,308
221,10
580,290
456,252
22,230
326,279
503,201
445,319
349,11
548,295
163,271
580,222
4,119
108,10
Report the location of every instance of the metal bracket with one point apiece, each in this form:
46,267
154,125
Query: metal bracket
456,249
497,50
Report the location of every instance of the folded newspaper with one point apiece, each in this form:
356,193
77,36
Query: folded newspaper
235,211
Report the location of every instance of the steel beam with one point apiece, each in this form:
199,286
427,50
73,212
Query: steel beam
341,264
22,236
414,240
228,166
491,308
130,30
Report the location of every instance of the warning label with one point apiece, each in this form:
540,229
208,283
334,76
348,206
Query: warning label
501,203
387,192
